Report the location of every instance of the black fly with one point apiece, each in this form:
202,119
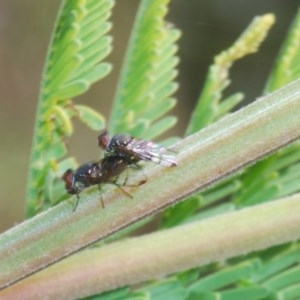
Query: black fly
121,152
106,170
134,149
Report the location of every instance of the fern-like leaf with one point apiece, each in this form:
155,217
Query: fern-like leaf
287,67
74,62
209,107
273,272
146,86
278,174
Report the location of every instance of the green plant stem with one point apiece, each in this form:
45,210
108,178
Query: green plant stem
154,255
204,158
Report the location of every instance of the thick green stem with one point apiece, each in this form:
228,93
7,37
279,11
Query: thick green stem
204,158
154,255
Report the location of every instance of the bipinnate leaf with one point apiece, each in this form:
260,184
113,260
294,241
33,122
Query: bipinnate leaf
74,63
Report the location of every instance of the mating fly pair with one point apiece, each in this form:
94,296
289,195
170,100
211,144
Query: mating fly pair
120,153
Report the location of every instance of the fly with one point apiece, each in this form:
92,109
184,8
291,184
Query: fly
92,173
134,149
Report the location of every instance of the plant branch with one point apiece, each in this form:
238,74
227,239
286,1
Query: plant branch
161,253
204,158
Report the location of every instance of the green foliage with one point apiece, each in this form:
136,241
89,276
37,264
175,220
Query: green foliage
144,93
210,105
80,43
272,273
272,178
277,175
260,277
287,68
143,98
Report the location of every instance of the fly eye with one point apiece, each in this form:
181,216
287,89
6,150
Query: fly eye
103,140
68,178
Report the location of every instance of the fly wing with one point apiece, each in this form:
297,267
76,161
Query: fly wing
149,151
135,149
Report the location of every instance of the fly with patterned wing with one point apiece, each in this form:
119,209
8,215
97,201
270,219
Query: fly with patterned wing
134,149
121,153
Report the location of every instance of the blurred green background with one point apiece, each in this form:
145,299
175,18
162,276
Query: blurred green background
208,27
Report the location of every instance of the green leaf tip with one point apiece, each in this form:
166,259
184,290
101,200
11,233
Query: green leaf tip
90,117
287,64
210,106
248,42
63,120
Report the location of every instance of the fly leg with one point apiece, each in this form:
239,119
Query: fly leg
76,203
120,187
101,198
